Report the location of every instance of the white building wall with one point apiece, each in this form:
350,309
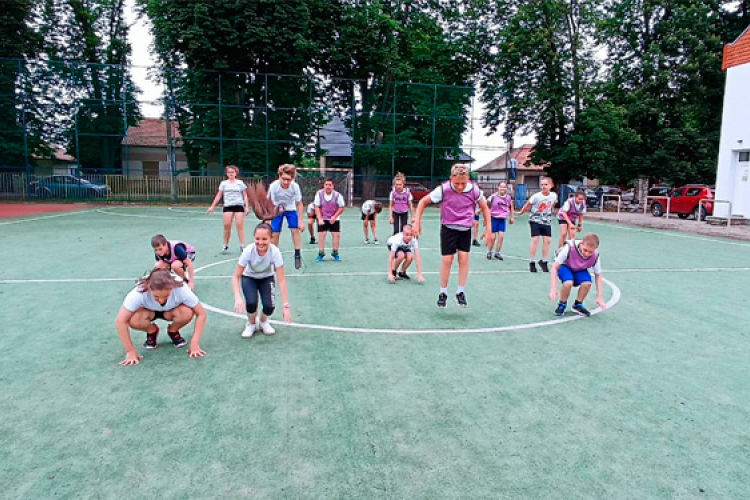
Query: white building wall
732,179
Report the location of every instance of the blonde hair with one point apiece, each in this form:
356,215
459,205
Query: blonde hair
459,169
288,169
591,240
233,167
158,279
399,177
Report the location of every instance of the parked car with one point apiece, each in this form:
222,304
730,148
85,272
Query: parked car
418,191
659,190
602,190
629,195
67,186
683,201
592,200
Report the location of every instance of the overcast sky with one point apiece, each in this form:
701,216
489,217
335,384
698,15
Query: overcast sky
481,147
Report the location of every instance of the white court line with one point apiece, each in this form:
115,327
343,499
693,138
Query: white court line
108,211
616,295
45,217
666,232
380,273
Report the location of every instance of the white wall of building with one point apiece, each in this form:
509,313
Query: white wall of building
733,175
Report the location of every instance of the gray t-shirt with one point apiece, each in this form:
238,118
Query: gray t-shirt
541,208
287,198
233,193
260,266
178,296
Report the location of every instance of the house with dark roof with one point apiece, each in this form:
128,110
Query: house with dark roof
528,173
733,169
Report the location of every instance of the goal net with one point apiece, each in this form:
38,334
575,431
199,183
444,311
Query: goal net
310,180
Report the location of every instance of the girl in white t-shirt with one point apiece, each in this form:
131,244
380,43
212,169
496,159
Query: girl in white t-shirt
257,270
236,205
160,296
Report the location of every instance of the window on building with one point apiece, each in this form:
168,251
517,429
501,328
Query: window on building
745,156
151,168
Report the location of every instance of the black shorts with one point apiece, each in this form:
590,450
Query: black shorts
369,216
452,240
158,315
327,226
538,229
405,250
234,208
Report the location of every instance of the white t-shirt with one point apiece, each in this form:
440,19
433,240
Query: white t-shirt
368,207
436,195
318,201
286,198
233,192
178,296
542,207
396,242
564,251
260,266
311,209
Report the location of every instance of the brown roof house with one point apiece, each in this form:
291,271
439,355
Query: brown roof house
152,148
527,173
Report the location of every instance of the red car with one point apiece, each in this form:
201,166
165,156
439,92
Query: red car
418,191
683,201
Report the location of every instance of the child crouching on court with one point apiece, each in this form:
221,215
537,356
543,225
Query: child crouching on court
458,198
160,296
572,264
257,270
176,256
403,249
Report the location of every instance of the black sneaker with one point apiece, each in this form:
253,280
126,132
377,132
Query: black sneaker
498,256
150,342
476,243
404,276
461,299
297,261
489,255
312,241
532,267
442,301
560,309
578,307
177,339
543,265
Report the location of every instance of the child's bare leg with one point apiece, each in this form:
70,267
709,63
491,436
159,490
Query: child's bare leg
532,248
546,240
445,270
310,222
227,226
463,268
142,320
565,290
296,238
572,234
583,291
374,223
499,238
563,235
364,228
398,260
239,220
336,239
180,316
407,262
275,238
322,241
179,269
251,317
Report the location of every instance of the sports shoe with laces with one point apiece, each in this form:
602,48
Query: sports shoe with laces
367,241
442,301
475,243
266,328
297,261
461,299
336,256
225,249
177,339
578,307
376,241
150,342
320,256
312,241
489,255
403,276
498,256
560,309
532,267
543,265
248,331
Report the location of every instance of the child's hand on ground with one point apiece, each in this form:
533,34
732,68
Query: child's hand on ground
286,314
239,305
600,302
131,358
195,351
391,278
420,278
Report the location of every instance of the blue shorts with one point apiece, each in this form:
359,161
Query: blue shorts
292,221
476,217
577,277
498,225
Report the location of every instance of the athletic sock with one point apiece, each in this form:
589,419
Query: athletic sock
532,260
459,289
296,252
444,290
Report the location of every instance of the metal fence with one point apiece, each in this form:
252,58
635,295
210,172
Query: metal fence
90,120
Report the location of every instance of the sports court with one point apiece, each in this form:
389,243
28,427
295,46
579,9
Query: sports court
381,395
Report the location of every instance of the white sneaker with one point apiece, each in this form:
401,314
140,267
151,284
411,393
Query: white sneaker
367,241
225,249
377,242
266,328
248,331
